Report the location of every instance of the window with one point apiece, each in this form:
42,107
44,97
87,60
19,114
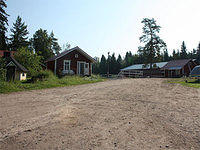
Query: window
86,65
76,55
23,74
67,65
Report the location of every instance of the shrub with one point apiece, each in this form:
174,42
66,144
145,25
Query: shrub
42,75
2,70
2,74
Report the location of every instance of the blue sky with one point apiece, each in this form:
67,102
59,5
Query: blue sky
99,26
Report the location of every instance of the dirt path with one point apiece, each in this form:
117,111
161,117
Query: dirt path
119,114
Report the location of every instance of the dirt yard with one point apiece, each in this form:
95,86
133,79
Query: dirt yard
123,114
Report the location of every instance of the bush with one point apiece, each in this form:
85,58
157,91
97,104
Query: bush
42,75
2,74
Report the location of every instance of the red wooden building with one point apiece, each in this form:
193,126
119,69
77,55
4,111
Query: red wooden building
73,61
178,68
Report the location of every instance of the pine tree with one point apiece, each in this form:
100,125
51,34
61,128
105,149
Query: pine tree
103,65
54,44
19,36
119,63
153,44
113,64
183,53
3,23
166,56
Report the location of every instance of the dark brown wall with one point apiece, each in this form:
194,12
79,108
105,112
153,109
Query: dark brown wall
69,56
186,69
50,65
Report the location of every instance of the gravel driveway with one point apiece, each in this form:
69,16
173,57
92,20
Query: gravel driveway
123,114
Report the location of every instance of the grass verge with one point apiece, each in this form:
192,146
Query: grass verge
8,87
190,82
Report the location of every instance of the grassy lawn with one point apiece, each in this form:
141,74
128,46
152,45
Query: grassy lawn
190,82
7,87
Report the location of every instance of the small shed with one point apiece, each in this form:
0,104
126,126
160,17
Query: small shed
178,68
14,70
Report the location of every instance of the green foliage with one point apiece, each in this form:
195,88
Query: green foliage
19,35
190,82
42,44
183,53
2,70
103,65
29,60
54,44
49,82
153,44
3,23
42,75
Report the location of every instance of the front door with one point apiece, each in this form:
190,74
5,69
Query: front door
81,68
87,69
10,74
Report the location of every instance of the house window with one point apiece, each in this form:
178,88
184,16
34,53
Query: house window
76,55
23,74
67,64
86,65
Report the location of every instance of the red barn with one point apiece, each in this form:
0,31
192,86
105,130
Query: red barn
73,61
179,68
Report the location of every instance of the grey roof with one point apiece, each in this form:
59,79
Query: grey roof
143,66
18,65
69,51
195,72
176,64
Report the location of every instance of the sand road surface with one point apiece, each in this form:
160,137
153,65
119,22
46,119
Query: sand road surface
127,114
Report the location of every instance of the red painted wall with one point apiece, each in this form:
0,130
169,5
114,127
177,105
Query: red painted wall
69,56
2,52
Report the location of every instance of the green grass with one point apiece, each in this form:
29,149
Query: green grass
190,82
7,87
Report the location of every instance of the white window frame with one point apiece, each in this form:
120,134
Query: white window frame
66,61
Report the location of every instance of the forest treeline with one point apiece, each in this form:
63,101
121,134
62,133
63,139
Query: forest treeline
113,63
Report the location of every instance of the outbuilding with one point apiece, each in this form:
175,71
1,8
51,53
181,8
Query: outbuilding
178,68
14,70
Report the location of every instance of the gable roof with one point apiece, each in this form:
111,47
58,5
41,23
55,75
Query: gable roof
143,66
17,64
176,64
69,51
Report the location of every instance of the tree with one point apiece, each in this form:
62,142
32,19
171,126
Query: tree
166,55
2,69
198,53
119,63
153,44
183,53
103,65
128,60
113,64
29,60
54,44
3,23
66,46
42,44
19,34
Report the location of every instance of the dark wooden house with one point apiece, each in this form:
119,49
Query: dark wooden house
178,68
71,62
